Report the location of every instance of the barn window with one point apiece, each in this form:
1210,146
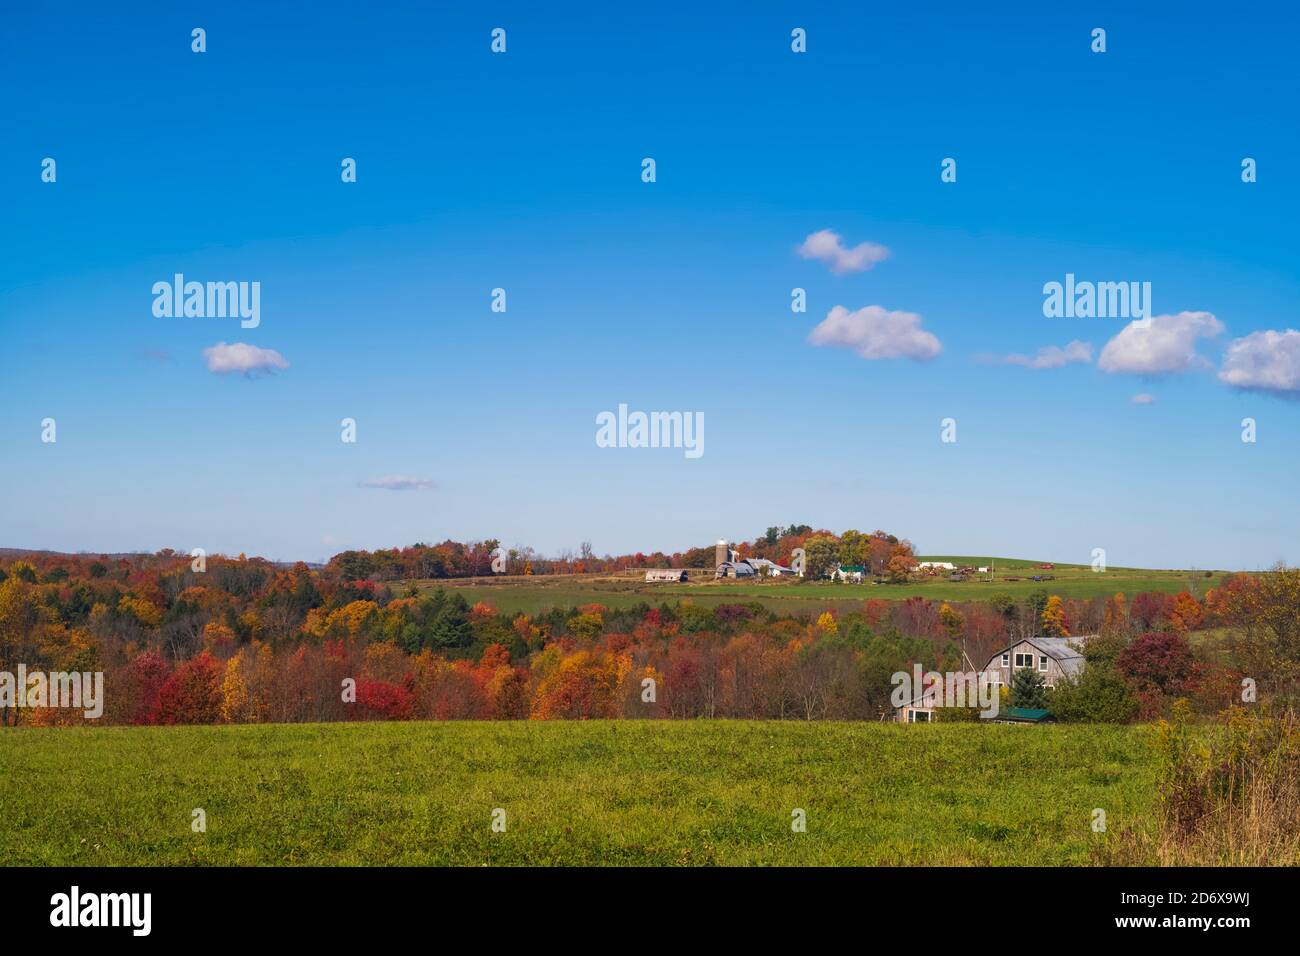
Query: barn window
1024,660
1042,662
1006,659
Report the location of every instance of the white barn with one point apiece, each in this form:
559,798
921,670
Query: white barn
665,574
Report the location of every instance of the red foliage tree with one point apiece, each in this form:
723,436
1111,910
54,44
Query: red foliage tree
145,676
192,694
1149,610
380,700
1161,661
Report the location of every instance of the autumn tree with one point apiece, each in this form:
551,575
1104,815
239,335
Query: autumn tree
580,685
821,555
951,621
855,548
1264,616
234,690
1185,613
900,567
1053,620
193,692
1115,618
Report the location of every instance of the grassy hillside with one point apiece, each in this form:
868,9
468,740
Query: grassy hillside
532,594
627,792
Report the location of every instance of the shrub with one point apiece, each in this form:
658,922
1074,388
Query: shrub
1234,799
1097,696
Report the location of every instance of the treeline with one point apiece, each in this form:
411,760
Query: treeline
453,559
244,640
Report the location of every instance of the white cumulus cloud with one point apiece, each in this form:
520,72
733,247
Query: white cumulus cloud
1167,345
827,246
397,483
874,332
1267,361
243,358
1053,356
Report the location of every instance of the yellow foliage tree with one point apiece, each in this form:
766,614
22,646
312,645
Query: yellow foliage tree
1116,615
351,618
216,635
143,611
234,691
1053,619
1186,613
951,621
386,662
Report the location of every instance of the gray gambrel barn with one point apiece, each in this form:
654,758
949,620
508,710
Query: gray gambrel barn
1052,657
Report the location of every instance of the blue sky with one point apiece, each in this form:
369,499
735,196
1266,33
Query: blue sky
522,171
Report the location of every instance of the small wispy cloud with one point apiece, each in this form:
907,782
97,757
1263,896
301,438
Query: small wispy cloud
156,355
1049,356
245,359
827,246
397,483
1144,398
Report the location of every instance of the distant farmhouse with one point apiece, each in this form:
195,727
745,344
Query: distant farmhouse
849,572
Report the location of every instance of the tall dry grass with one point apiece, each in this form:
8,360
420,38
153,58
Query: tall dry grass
1229,797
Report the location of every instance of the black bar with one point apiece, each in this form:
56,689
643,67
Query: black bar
911,906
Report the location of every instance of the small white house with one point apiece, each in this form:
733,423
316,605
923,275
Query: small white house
937,565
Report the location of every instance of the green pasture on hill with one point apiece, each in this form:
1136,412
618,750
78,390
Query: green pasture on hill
529,595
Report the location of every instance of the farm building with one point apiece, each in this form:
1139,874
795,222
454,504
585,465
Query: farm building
735,569
665,574
937,565
774,570
849,572
957,689
1022,715
925,711
916,712
1053,657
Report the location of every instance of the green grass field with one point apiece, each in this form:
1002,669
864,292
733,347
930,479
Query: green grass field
512,595
617,792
